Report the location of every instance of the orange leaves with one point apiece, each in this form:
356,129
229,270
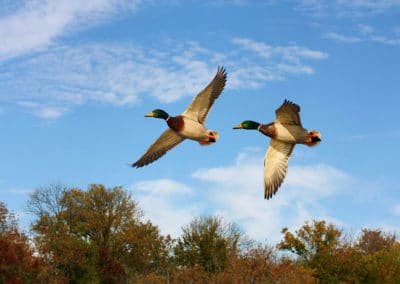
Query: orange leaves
98,235
17,263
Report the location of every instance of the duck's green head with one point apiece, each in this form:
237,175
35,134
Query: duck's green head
158,113
247,124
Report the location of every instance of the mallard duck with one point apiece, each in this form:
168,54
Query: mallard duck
285,132
189,124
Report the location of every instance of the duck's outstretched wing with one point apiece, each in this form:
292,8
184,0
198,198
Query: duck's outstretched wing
288,113
168,140
275,166
201,104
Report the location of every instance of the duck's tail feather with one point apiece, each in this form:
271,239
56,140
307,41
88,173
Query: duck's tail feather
314,137
212,138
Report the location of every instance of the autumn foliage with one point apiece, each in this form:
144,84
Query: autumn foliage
98,235
17,261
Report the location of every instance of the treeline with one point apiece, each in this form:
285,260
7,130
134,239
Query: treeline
98,235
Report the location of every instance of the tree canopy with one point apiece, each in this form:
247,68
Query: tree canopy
17,261
96,235
208,242
99,235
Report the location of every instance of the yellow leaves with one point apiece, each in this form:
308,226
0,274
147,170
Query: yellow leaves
310,239
207,242
96,234
375,257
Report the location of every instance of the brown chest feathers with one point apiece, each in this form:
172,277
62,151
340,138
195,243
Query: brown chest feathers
268,130
175,123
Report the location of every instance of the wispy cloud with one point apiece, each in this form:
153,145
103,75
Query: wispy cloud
43,111
361,137
53,77
362,7
385,40
17,191
265,62
365,33
344,8
342,38
289,53
49,83
365,29
37,24
357,10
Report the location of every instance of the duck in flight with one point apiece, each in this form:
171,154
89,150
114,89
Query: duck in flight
285,132
188,125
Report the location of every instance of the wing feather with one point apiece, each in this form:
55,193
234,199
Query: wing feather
164,143
275,166
201,104
288,113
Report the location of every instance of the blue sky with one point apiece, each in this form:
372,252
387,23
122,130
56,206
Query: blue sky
77,77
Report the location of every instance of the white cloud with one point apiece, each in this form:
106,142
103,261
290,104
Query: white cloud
262,49
385,40
343,38
365,29
316,180
165,204
52,77
361,7
18,191
290,53
313,7
162,187
396,210
294,52
266,63
51,82
252,76
43,111
366,35
37,24
356,10
295,69
236,193
239,195
396,30
345,8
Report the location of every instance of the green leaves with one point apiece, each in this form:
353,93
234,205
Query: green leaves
207,242
96,234
373,258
